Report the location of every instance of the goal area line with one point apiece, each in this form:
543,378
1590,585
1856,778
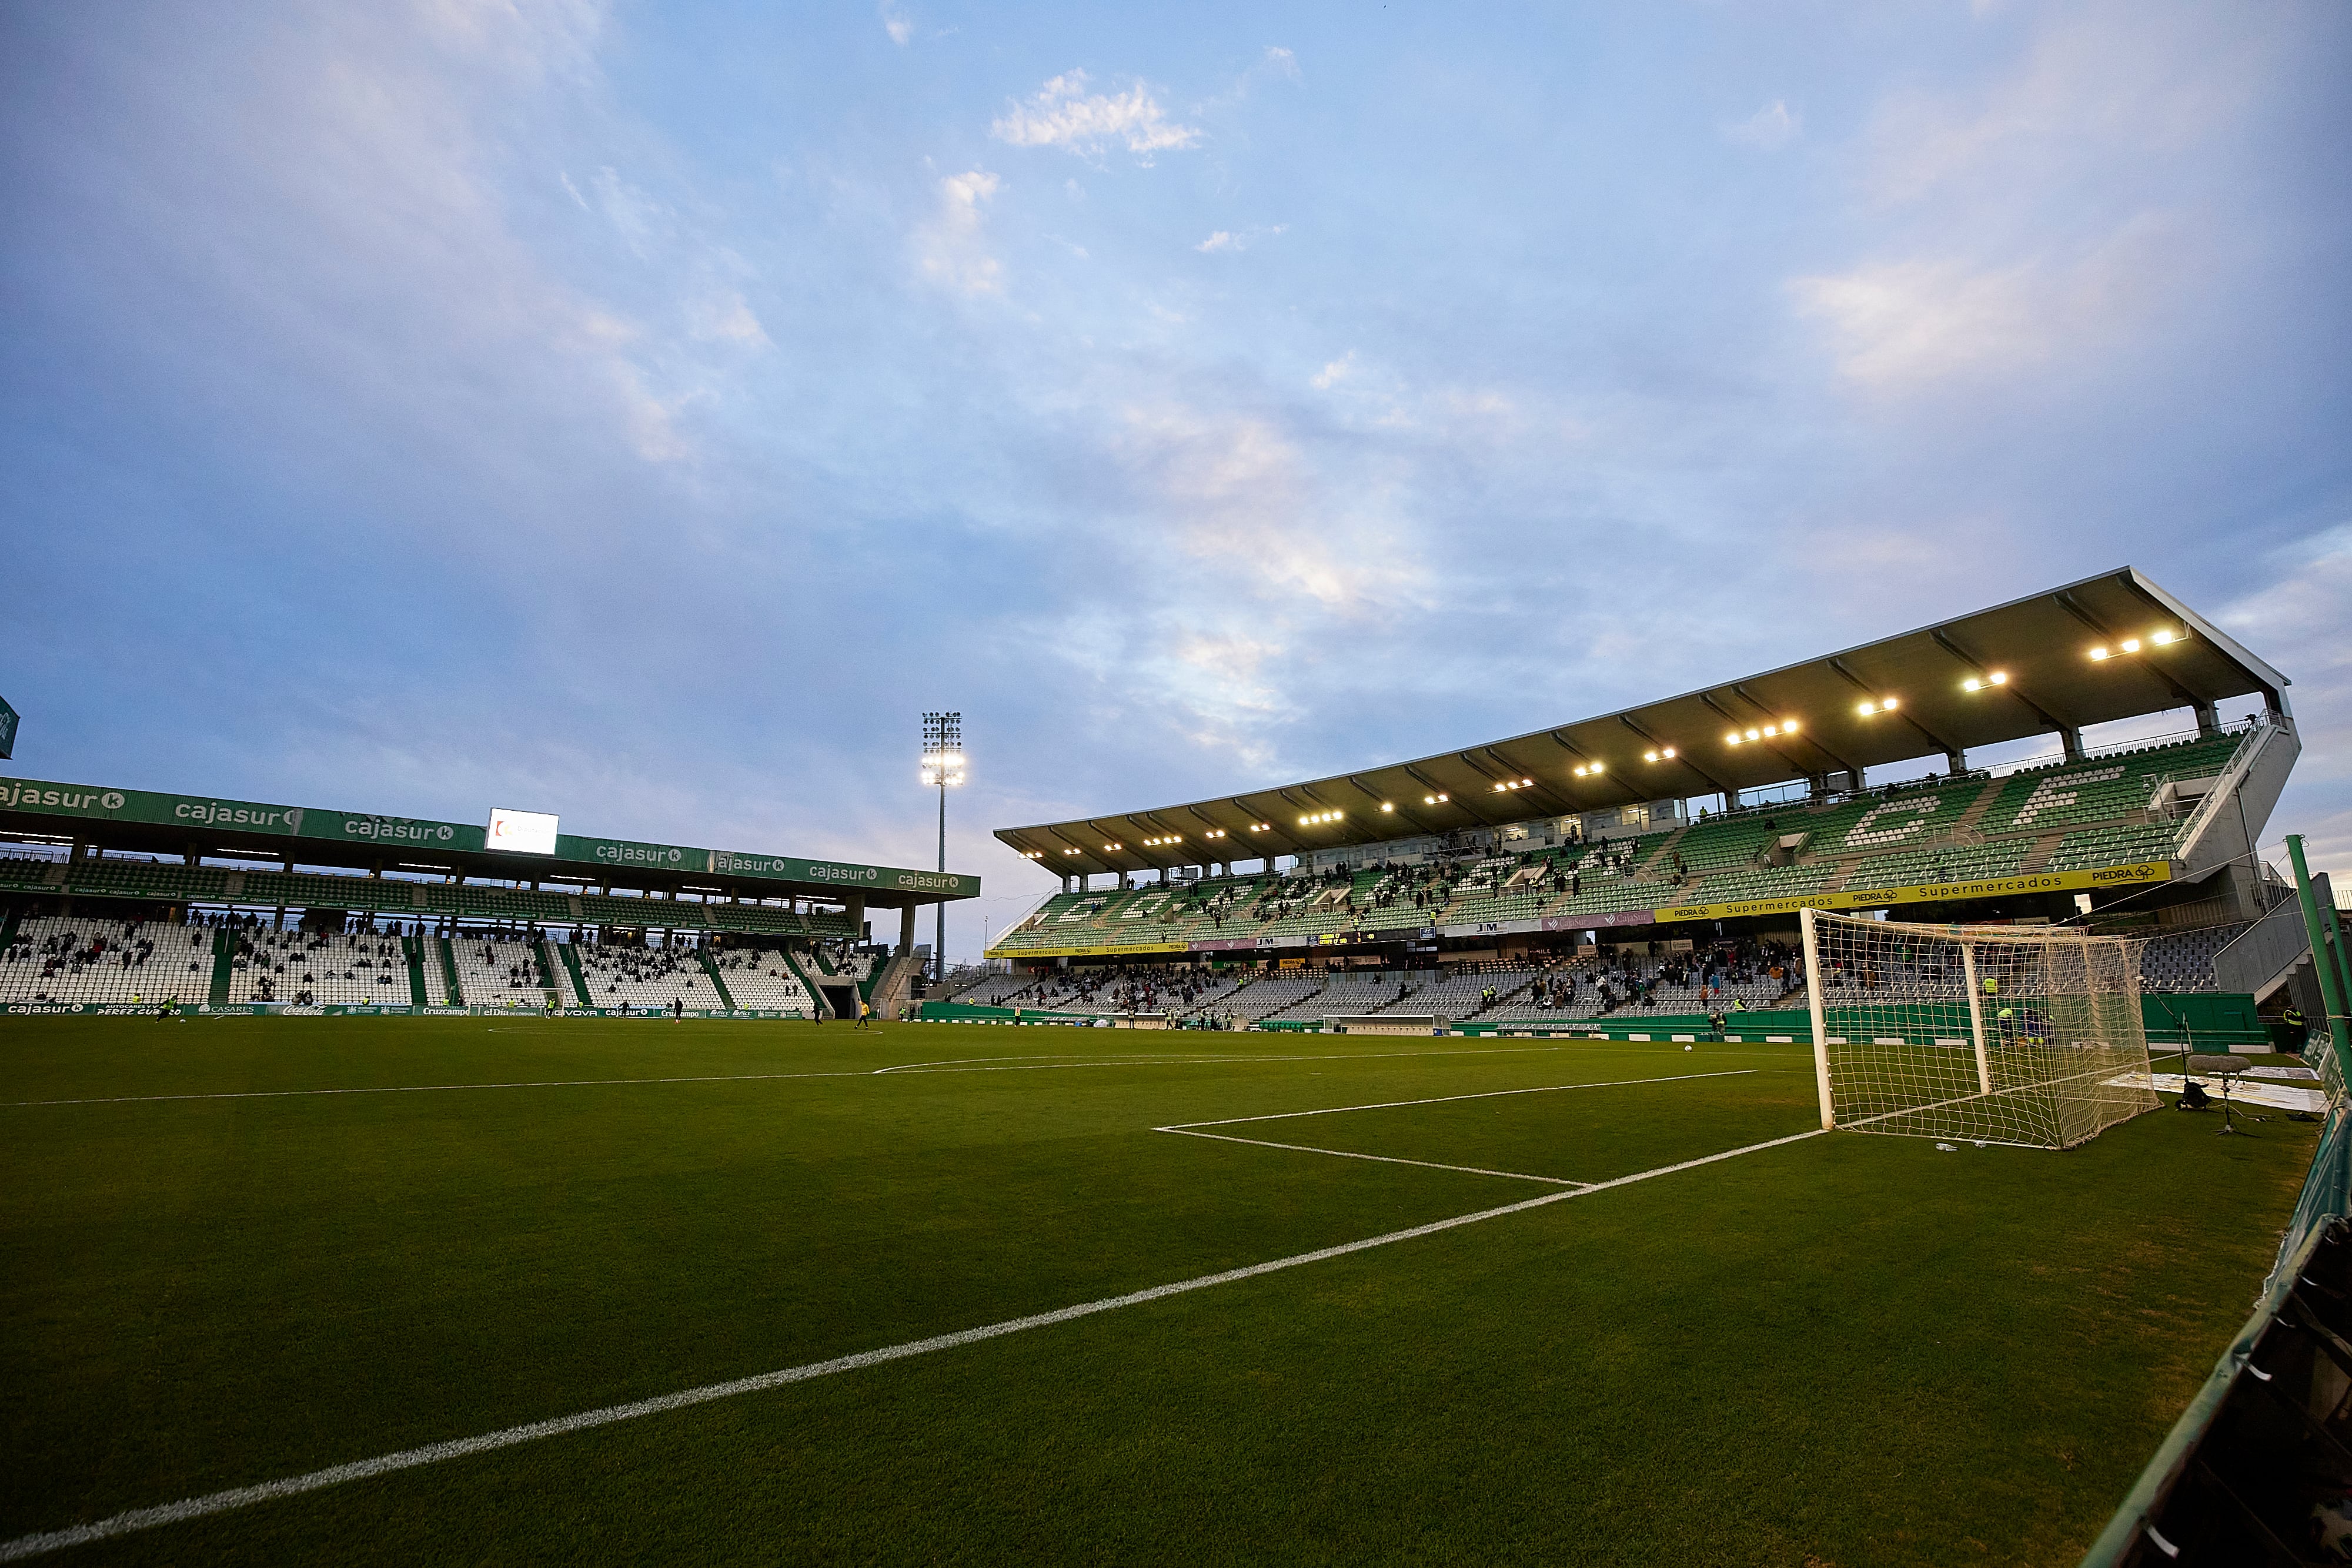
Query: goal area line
140,1518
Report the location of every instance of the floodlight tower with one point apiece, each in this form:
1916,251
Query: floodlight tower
942,766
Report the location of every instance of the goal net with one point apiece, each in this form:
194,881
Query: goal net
1992,1034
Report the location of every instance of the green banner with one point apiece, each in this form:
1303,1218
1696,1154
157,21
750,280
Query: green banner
7,729
88,802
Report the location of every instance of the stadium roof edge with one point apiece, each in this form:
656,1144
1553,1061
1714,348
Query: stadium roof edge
2031,662
316,836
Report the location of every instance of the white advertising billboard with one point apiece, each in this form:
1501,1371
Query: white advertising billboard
522,832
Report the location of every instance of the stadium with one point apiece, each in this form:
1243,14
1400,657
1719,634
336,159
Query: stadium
1573,877
1508,1193
125,899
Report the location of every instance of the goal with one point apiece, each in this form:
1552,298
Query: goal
1992,1034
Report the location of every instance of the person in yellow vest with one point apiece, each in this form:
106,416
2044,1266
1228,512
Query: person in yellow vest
865,1014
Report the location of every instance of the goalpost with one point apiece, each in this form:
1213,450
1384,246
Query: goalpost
1993,1034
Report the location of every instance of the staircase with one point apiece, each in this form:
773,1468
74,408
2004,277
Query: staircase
725,998
887,992
546,973
448,969
224,949
1647,871
571,967
413,949
1978,807
2043,848
805,967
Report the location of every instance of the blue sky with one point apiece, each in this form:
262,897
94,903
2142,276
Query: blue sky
644,412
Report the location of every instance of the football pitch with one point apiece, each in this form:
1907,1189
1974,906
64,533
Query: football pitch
969,1294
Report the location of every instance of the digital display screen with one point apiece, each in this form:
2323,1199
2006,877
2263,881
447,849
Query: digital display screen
522,832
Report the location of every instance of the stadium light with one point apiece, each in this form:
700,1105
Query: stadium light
2160,638
942,769
2098,652
1753,735
1731,740
1388,805
1788,727
2131,644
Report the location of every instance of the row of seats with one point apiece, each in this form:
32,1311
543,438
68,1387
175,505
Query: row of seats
758,978
317,969
58,958
496,970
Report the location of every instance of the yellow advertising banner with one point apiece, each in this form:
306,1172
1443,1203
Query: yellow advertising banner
1927,893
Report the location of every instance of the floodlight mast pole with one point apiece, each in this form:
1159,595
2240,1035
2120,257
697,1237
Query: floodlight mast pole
943,766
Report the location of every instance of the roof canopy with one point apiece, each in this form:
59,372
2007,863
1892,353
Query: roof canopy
2108,647
174,824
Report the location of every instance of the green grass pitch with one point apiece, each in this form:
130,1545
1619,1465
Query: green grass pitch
1844,1350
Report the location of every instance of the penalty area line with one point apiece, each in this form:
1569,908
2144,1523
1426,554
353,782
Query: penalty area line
138,1519
1384,1159
1448,1099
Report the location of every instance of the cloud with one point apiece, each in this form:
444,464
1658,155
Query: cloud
2100,84
1063,114
898,24
1222,240
954,245
727,320
1771,127
1240,493
1279,61
2303,604
641,220
1338,371
1904,324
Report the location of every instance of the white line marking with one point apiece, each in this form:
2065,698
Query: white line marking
1443,1099
138,1519
1384,1159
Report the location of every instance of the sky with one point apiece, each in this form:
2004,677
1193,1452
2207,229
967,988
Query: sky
644,412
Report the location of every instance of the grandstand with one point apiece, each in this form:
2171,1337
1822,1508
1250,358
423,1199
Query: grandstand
285,907
1605,851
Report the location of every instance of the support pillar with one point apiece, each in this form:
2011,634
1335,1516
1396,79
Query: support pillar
907,931
1957,760
858,917
2071,739
2209,720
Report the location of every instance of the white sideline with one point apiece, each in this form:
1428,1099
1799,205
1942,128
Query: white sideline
1384,1159
140,1519
1443,1099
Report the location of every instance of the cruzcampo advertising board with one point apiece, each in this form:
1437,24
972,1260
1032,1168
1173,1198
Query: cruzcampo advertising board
48,805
